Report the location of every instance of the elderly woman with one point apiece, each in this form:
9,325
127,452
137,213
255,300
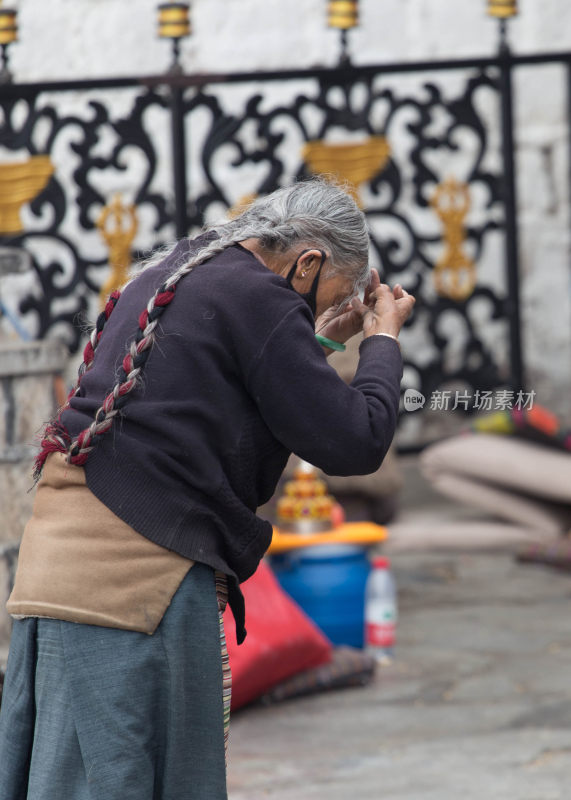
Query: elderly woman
199,380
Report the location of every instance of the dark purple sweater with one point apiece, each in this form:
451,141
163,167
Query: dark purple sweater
235,382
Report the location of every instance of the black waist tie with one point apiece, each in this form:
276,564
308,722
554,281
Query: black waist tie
236,603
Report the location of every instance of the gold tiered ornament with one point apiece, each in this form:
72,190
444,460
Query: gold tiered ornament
343,14
354,163
8,25
502,9
241,205
305,517
305,506
118,225
174,20
8,35
20,183
174,24
455,272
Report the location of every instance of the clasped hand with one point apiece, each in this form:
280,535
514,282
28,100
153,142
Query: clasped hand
382,310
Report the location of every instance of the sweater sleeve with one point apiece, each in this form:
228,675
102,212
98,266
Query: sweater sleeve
343,430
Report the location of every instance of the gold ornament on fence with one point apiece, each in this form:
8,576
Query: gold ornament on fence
174,24
8,25
502,9
118,225
455,272
174,20
20,183
241,205
354,163
8,35
343,14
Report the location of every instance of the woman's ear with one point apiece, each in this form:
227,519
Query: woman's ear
308,261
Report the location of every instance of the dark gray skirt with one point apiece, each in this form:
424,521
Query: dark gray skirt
94,713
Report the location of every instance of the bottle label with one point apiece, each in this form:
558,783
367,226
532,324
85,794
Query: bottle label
379,635
380,624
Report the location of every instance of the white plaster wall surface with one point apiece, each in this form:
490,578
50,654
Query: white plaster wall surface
92,38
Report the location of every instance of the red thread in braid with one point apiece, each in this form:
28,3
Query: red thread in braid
56,438
108,403
81,457
164,298
111,303
83,444
128,363
125,388
143,345
89,351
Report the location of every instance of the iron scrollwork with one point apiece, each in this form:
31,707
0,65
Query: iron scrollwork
251,152
67,275
405,243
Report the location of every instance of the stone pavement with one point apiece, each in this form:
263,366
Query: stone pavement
476,705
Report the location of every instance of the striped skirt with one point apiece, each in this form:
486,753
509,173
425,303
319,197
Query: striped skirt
94,713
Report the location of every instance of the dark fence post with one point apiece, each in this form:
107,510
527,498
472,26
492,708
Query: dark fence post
511,221
568,65
179,161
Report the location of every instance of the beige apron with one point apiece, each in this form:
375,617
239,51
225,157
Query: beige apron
79,562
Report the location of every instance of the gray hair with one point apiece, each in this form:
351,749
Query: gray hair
316,213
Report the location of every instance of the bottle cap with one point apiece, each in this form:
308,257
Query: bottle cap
381,562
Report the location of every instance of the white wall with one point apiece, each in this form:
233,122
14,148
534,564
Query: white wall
91,38
61,38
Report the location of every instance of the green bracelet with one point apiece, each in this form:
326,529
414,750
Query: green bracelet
330,343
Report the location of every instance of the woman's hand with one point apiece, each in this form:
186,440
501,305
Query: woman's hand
342,324
339,325
387,310
381,311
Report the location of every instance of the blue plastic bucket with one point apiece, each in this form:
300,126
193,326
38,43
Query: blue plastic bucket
328,582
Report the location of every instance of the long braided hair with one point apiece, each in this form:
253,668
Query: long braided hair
317,212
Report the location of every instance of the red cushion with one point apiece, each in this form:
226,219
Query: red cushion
281,640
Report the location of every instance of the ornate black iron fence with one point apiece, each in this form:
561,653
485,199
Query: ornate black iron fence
394,131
